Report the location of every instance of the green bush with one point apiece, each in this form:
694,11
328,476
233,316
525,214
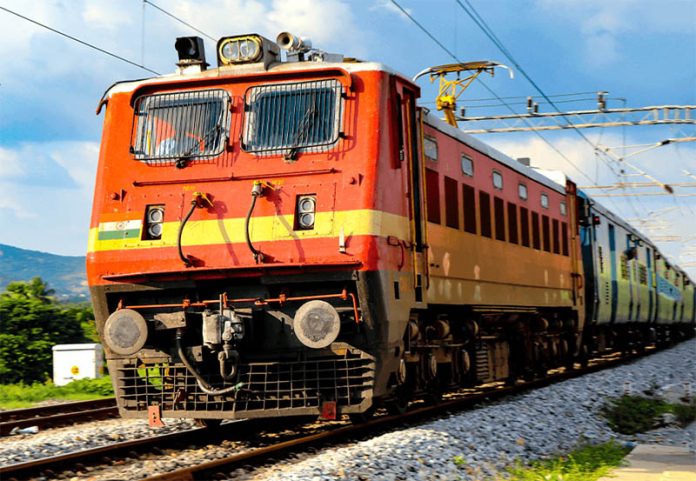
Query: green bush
638,414
31,323
686,413
13,396
587,463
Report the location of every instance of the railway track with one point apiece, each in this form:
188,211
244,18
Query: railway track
57,414
273,446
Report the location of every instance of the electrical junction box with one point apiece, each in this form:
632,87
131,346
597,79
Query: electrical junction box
77,361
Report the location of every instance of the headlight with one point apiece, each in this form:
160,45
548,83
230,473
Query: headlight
305,212
306,204
154,218
125,332
155,230
240,49
155,215
230,51
316,324
306,221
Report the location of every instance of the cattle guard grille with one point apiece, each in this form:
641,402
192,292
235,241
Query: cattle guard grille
298,387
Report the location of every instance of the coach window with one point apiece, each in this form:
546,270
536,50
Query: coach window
430,148
469,198
485,206
499,211
536,237
563,209
497,180
467,165
545,201
451,203
432,186
564,237
556,237
512,222
522,191
524,226
546,232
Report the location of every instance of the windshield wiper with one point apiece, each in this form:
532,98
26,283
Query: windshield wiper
305,124
186,157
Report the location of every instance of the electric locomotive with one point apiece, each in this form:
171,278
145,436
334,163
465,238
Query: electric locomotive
291,234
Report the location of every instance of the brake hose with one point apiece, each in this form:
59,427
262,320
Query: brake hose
256,192
202,383
199,200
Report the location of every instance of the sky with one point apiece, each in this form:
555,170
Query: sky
640,51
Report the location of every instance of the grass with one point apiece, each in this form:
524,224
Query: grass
587,463
638,414
16,396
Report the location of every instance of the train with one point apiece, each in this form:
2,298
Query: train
291,234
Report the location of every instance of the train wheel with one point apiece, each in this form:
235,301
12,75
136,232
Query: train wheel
362,418
207,423
399,404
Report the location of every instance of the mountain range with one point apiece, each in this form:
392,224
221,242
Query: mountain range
64,274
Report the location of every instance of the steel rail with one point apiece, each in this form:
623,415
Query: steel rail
50,467
57,414
221,468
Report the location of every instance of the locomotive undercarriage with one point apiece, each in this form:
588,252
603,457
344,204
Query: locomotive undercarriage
633,337
222,349
448,347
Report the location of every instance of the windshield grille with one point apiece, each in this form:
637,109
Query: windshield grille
180,126
292,117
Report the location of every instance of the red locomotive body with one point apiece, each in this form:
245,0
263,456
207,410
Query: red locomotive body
273,238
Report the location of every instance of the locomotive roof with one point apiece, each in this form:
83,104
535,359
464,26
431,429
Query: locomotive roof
351,67
486,149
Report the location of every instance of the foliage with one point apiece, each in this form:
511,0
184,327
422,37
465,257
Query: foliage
14,396
686,413
31,323
636,414
587,463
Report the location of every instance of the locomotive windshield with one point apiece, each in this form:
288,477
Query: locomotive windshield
185,125
294,116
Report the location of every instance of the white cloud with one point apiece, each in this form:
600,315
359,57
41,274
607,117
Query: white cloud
43,164
109,16
38,210
604,24
390,7
15,209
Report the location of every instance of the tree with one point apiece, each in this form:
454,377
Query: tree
31,323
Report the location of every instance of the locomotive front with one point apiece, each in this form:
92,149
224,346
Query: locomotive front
232,235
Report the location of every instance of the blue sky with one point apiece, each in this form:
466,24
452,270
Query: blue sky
638,50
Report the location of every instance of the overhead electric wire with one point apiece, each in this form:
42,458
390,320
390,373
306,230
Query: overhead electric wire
512,97
75,39
488,31
424,30
169,14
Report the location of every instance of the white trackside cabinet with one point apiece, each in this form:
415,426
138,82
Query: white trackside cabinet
77,361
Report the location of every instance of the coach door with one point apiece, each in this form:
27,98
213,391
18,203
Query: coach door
410,154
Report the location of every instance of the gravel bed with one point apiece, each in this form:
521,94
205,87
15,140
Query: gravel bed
52,442
530,426
539,424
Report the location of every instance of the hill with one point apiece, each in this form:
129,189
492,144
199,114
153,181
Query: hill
64,274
